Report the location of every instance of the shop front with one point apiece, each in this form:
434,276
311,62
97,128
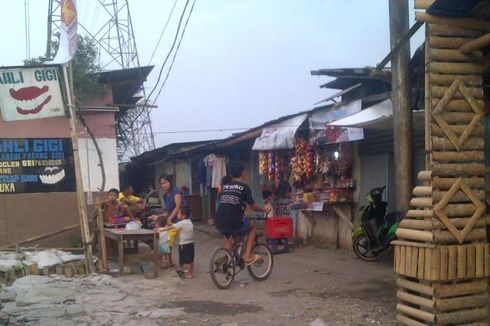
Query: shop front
308,171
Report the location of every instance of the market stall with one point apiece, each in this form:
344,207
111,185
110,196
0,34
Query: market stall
307,174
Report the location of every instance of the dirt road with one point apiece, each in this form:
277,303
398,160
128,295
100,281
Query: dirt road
309,286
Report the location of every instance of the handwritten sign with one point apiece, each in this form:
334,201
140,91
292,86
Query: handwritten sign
30,93
30,165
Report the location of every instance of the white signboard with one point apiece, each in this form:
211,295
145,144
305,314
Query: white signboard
280,135
321,132
30,93
316,206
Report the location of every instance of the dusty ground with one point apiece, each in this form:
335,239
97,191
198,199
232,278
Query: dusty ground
317,286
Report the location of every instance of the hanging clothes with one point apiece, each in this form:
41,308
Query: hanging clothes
219,171
208,162
202,172
216,170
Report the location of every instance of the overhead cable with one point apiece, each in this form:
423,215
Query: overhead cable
199,130
175,53
163,32
169,52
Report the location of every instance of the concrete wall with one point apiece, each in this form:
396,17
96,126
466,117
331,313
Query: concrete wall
29,215
24,216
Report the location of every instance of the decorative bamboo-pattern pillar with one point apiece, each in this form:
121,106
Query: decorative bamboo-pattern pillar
442,255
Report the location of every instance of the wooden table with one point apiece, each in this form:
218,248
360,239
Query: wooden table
120,235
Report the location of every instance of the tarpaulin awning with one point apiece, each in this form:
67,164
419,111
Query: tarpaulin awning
279,135
321,133
378,116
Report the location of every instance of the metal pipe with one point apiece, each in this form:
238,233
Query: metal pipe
402,112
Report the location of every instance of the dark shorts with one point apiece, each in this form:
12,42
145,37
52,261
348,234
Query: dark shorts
186,254
241,231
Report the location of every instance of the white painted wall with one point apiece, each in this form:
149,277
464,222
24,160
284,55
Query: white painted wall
91,172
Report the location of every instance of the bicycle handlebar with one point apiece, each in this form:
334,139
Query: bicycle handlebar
259,218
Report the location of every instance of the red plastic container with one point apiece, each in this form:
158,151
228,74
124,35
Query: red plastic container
279,227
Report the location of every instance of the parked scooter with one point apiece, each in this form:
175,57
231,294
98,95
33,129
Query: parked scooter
377,228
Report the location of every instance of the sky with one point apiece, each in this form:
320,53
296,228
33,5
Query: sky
241,62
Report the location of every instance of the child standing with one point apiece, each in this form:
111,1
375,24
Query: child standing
164,248
166,241
186,241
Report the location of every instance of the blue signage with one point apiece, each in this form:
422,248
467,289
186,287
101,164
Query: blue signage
29,165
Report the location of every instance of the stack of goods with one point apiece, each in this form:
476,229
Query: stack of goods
263,164
302,162
344,162
326,164
281,164
272,166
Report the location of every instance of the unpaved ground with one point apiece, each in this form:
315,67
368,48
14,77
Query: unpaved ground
309,285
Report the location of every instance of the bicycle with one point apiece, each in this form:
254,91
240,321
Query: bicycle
225,265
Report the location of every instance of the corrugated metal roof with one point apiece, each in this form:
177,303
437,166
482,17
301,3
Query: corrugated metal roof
125,82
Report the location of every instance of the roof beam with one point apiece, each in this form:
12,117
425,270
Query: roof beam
415,27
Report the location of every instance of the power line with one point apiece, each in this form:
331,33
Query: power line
170,51
163,32
224,129
199,130
175,53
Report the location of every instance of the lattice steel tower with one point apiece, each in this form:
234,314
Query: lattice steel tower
112,30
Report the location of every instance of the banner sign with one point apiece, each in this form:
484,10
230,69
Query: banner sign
29,165
280,135
321,133
30,93
68,32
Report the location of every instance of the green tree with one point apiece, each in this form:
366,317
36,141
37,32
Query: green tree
85,68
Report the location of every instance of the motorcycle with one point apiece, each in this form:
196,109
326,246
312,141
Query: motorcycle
377,228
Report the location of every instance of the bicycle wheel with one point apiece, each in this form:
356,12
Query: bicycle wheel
261,269
221,268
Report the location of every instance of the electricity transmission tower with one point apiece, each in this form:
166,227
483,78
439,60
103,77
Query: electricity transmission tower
112,30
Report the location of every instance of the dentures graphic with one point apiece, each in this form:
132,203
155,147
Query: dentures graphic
30,99
52,175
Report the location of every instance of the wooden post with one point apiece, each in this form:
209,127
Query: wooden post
82,208
402,111
102,243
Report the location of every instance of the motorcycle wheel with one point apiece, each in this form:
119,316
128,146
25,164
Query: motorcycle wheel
361,248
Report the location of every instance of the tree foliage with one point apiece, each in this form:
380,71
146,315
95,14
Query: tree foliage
85,68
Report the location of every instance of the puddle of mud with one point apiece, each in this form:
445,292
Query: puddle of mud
212,307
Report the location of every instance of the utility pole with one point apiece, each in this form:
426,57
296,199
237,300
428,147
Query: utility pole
402,111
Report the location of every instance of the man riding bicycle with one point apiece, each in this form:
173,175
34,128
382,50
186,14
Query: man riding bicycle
230,219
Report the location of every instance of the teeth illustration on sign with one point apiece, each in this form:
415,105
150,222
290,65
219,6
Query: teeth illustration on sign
52,175
30,99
